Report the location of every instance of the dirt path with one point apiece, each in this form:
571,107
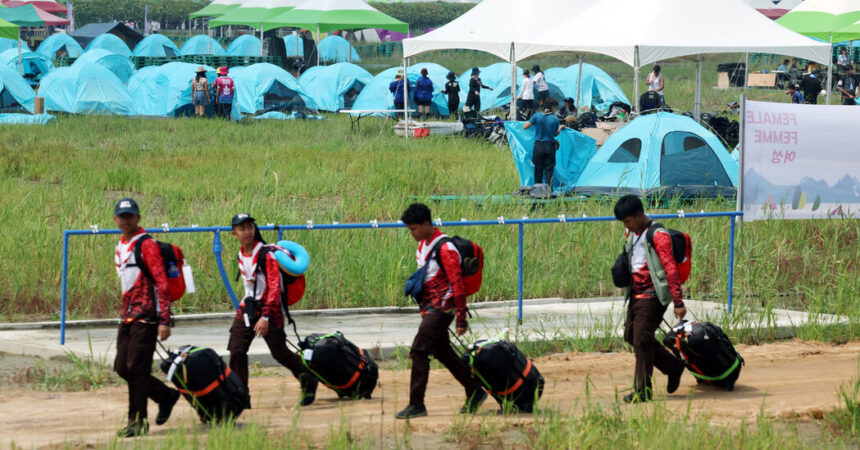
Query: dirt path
780,379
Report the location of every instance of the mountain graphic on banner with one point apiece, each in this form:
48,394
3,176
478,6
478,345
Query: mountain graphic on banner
846,190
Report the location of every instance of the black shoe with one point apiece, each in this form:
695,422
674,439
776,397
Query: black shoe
474,402
165,408
637,397
309,385
134,429
674,380
411,412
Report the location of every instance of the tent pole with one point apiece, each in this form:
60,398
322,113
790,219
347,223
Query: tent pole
636,79
318,44
829,71
697,110
20,64
513,112
208,41
406,97
578,85
261,38
746,70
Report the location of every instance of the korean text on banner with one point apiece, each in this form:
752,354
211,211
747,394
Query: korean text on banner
800,161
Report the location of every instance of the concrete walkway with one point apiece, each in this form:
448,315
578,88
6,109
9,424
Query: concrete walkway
382,330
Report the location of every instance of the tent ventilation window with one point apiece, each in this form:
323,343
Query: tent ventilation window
687,160
628,152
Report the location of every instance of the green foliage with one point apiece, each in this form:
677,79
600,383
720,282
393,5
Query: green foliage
423,15
168,11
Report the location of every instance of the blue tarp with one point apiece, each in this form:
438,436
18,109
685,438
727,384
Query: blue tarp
85,89
574,150
335,87
202,45
120,65
34,64
26,119
110,43
277,115
6,44
335,49
156,45
57,42
265,87
15,92
376,95
245,45
599,90
294,45
496,76
166,90
661,153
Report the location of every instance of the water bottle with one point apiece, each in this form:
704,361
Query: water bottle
172,271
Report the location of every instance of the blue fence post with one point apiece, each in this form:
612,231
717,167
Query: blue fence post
216,249
64,283
280,233
733,219
520,276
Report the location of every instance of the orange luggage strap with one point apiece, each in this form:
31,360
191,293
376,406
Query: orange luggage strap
519,382
684,355
209,388
354,376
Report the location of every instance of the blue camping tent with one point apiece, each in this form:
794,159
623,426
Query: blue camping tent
166,90
573,153
245,45
661,153
335,49
120,65
266,87
34,64
376,96
85,89
496,76
335,87
156,45
110,43
15,93
598,90
294,46
6,44
60,43
202,45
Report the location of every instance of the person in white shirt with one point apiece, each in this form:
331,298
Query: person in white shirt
655,82
527,95
541,84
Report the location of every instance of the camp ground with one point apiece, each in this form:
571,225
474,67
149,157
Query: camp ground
675,186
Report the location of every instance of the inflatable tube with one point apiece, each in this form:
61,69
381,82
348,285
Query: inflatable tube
298,263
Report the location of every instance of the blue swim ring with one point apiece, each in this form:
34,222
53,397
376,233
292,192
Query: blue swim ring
298,264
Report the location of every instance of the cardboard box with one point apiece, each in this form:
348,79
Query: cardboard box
723,80
757,79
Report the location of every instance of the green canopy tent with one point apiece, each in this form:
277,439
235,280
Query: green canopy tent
217,8
29,16
9,30
253,13
331,15
828,20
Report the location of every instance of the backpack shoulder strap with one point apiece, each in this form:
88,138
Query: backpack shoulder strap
652,228
138,256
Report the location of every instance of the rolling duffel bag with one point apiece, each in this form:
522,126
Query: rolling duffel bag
707,352
506,373
340,365
207,383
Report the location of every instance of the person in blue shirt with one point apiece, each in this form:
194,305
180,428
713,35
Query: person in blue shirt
547,127
423,94
396,88
796,96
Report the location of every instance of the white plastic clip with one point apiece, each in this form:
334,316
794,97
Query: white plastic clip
95,228
681,213
270,224
463,219
165,227
194,225
584,215
374,223
561,218
310,224
701,211
501,220
335,222
525,217
438,221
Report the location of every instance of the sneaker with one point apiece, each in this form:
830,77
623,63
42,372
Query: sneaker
674,380
165,408
474,402
637,397
309,385
134,429
411,412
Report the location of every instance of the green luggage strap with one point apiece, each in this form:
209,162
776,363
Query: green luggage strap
721,376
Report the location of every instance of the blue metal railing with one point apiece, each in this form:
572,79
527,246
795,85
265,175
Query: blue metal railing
501,221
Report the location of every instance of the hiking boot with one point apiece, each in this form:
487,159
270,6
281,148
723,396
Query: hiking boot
474,402
165,408
309,385
411,412
134,429
674,380
637,397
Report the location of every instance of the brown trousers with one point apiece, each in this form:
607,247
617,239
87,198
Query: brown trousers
240,341
135,344
643,318
432,339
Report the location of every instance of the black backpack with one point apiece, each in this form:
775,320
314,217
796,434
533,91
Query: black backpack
340,365
679,240
707,352
506,373
649,102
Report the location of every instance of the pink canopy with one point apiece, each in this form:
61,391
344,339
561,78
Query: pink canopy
45,5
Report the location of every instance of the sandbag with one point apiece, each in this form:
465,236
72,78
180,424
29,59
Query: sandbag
707,352
506,373
340,365
207,383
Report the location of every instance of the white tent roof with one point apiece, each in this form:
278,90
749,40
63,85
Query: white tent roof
269,4
493,25
665,29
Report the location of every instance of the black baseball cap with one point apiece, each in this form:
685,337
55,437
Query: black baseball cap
126,206
241,217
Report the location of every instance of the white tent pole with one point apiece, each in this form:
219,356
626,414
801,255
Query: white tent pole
578,85
406,97
261,38
208,41
513,115
746,70
829,71
318,44
697,110
636,79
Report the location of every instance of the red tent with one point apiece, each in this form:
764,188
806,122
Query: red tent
45,5
773,14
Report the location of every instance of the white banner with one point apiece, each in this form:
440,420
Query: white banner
800,161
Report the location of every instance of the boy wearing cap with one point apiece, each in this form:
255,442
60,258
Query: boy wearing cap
473,99
260,312
224,90
452,90
145,316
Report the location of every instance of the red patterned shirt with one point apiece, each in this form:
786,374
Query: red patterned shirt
443,289
643,286
140,299
264,285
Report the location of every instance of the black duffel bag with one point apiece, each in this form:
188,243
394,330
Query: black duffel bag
340,365
707,352
506,373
